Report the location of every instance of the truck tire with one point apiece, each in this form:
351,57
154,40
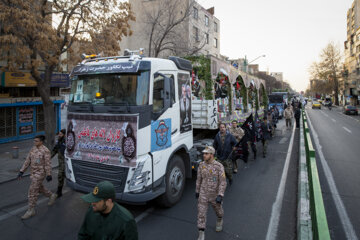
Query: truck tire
175,182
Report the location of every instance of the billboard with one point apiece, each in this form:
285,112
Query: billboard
102,138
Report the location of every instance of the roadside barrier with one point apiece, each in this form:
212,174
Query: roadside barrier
319,226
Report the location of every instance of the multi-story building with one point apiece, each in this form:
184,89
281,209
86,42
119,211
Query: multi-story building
349,85
198,32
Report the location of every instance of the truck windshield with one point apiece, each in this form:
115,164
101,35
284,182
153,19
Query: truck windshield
111,89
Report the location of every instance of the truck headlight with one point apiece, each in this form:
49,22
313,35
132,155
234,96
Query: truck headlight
139,179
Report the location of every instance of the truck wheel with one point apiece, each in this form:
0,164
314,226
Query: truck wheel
175,182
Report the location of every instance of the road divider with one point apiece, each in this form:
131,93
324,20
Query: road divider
312,222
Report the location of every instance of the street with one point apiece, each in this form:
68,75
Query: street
336,140
261,204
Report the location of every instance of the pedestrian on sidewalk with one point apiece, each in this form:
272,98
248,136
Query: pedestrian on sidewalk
297,117
266,131
238,133
288,116
40,163
105,218
59,149
210,188
224,143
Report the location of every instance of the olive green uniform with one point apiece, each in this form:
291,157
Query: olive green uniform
119,224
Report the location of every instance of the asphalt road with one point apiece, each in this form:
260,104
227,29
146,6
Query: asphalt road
338,159
249,204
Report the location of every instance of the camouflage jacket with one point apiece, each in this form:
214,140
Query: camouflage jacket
39,161
59,149
238,133
211,179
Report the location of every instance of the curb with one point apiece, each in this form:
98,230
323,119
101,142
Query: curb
304,225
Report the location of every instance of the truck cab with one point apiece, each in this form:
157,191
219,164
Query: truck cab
129,122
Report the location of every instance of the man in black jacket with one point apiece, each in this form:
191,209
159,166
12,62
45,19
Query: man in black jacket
297,117
224,143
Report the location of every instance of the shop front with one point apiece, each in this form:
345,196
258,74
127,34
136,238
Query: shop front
21,110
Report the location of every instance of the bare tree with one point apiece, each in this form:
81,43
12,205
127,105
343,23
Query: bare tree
36,33
328,69
166,24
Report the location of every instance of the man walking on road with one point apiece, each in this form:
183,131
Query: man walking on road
224,143
40,163
238,133
297,117
288,116
59,149
266,131
210,188
106,219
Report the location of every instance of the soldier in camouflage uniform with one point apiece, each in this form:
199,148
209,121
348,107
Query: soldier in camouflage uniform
238,133
224,143
59,149
40,163
210,188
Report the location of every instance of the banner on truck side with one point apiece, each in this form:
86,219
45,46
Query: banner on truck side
103,138
160,134
185,102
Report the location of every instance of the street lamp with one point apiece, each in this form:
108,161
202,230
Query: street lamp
257,58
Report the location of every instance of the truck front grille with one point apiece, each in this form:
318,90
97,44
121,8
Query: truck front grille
88,174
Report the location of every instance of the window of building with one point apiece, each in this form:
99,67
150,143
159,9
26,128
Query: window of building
215,42
215,27
206,20
196,34
207,38
196,13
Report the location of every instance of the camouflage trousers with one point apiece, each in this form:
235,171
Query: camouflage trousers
61,173
265,144
228,167
37,187
203,204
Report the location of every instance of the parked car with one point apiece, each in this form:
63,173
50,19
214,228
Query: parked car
326,102
348,109
316,104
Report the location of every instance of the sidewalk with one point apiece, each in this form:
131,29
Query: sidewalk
10,166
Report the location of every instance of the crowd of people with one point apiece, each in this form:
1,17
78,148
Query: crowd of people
232,144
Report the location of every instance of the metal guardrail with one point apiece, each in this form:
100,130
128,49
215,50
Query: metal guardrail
320,227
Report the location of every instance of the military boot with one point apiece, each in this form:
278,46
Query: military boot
59,192
219,224
52,199
201,235
28,214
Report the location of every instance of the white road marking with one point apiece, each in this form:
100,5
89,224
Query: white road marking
143,215
22,209
276,207
344,218
324,114
333,120
346,129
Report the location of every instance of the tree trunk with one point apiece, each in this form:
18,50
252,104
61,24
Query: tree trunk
43,87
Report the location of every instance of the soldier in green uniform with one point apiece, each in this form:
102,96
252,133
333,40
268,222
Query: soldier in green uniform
106,219
59,149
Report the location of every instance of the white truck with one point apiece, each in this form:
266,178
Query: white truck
129,121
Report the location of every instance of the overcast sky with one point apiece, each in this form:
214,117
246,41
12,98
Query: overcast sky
291,33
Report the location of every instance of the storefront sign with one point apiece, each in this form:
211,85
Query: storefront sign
106,138
25,130
21,79
18,79
26,114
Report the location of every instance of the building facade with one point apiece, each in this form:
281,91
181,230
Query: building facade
198,33
349,85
